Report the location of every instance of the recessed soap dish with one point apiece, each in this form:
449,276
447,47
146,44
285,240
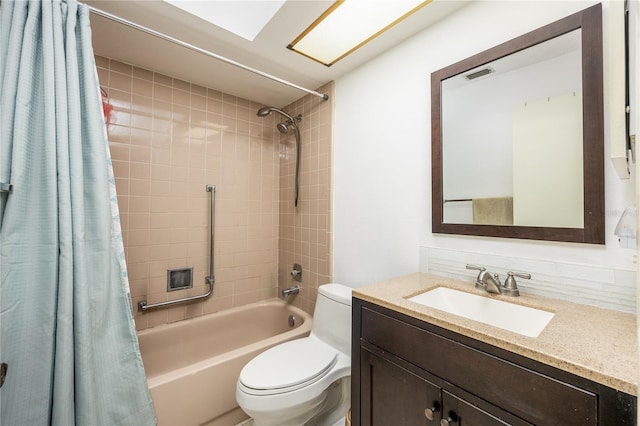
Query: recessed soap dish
179,278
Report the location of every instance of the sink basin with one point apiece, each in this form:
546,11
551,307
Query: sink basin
507,316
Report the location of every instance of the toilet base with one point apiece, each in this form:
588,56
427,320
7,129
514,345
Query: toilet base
329,410
250,422
335,406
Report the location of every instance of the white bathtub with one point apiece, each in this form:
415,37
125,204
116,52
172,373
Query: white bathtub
192,366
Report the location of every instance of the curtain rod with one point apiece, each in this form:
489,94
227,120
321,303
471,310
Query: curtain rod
174,40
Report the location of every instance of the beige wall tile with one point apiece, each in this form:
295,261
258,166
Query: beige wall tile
303,232
120,81
120,67
181,85
102,62
181,97
169,138
140,171
142,73
162,92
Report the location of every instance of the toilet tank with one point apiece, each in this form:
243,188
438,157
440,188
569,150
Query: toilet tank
332,316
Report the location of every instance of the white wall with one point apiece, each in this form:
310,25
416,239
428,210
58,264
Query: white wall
382,165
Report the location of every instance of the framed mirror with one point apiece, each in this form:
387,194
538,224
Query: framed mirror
517,135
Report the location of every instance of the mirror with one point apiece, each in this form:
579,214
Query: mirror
518,137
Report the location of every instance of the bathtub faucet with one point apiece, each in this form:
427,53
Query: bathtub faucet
286,292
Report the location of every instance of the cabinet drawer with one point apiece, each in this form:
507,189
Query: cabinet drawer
532,396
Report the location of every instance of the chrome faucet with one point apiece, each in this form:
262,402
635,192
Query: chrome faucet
286,292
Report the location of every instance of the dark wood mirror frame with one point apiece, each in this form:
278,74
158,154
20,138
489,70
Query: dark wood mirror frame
590,21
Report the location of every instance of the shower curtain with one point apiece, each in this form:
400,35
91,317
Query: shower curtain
66,328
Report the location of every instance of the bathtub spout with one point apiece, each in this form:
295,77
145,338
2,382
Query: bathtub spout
286,292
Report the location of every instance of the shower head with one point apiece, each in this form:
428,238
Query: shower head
264,111
283,127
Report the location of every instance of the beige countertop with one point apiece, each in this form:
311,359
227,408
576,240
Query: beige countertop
595,343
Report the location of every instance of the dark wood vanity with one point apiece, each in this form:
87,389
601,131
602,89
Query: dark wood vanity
406,371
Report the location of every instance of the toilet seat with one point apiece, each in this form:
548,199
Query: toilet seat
287,367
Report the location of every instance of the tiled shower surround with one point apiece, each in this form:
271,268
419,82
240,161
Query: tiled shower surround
306,231
169,139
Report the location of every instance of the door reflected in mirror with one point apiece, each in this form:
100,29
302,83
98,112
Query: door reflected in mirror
517,124
517,137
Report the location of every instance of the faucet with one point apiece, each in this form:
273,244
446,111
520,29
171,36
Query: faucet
286,292
491,282
486,281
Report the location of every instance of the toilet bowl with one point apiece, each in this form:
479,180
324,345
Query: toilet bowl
304,381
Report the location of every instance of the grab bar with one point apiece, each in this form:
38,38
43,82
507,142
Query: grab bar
210,280
143,307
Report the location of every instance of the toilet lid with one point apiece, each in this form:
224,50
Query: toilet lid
290,364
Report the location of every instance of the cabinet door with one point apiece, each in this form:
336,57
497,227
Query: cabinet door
457,411
392,395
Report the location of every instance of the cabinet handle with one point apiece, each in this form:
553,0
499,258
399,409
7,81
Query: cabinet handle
453,418
429,412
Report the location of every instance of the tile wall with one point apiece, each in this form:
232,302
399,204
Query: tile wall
170,138
306,231
597,285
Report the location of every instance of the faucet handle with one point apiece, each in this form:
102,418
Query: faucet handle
520,274
510,287
477,268
482,271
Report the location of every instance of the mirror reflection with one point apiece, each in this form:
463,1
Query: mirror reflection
512,146
517,137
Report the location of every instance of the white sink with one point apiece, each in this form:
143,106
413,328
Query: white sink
508,316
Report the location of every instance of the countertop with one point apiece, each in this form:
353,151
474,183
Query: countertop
595,343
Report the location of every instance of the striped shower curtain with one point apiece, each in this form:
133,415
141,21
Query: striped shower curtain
66,330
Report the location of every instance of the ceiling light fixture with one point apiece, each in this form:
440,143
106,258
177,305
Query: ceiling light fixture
349,24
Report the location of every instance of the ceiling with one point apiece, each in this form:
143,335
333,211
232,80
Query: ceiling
267,52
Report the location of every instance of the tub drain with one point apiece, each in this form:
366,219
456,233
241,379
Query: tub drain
292,320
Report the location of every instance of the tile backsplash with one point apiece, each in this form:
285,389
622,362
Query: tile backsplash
168,140
602,286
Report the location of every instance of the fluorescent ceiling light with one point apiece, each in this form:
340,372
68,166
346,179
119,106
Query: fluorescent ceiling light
349,24
244,18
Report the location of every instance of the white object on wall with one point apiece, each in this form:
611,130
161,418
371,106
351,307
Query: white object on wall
614,78
540,128
626,229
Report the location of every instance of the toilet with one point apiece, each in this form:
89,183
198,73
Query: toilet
305,381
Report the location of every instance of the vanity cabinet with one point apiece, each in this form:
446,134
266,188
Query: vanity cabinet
409,372
399,396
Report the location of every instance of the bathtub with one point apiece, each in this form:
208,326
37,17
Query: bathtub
192,366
